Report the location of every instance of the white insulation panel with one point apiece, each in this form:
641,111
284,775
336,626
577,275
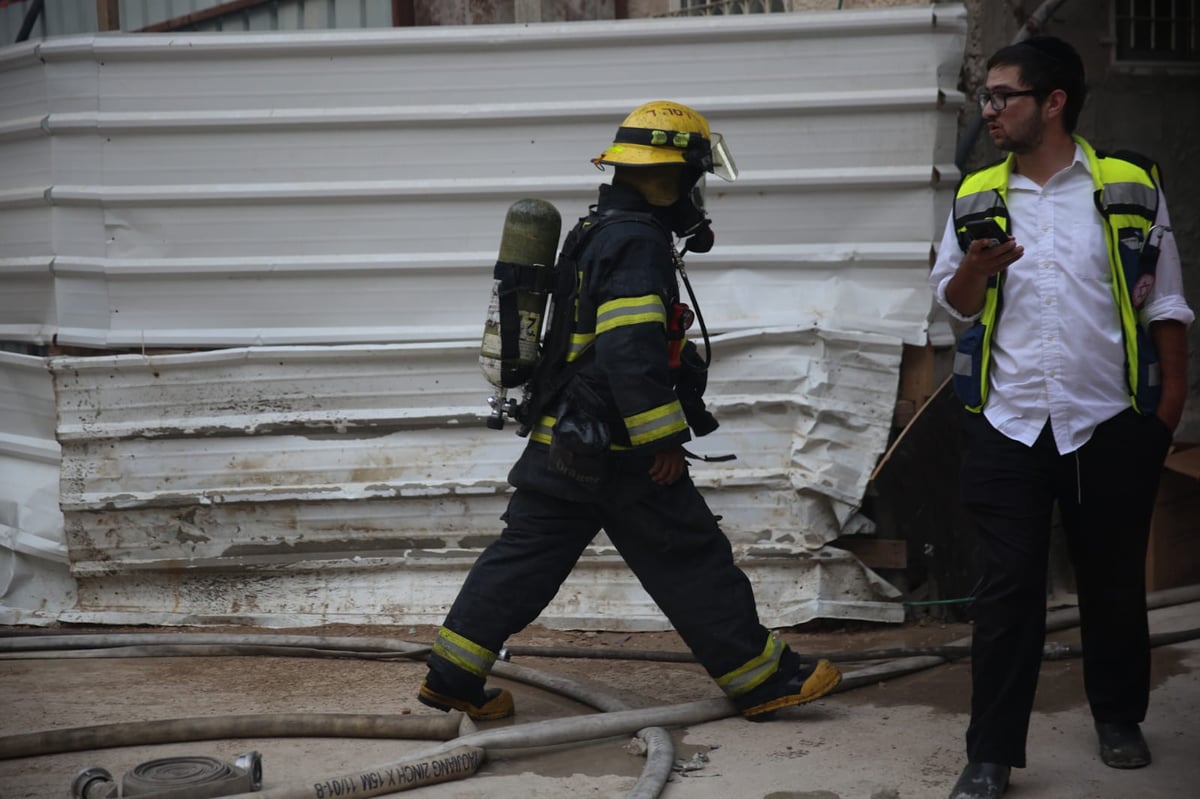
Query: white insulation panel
35,584
213,190
328,207
367,471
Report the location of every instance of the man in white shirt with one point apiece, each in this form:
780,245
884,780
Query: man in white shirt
1073,378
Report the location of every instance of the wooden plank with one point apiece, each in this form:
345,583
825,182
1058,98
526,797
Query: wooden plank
108,15
876,553
196,17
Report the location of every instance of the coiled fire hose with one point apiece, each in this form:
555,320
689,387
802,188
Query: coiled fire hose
376,781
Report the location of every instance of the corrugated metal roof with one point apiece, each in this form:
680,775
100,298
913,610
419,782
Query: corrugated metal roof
340,196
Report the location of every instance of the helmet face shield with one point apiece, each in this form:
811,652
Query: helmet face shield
695,198
722,160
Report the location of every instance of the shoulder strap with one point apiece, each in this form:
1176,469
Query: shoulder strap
553,372
1144,162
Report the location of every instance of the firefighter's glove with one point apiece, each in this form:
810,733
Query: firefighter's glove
691,379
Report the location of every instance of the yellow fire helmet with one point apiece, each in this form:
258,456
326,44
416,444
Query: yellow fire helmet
663,132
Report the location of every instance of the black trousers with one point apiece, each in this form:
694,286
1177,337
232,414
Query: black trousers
671,541
1105,493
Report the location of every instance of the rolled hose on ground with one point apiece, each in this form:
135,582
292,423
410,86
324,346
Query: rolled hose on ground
210,728
595,726
470,749
660,752
201,650
660,749
416,771
1055,621
389,778
55,641
578,728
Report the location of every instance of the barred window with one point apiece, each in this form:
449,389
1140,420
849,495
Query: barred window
712,8
1156,30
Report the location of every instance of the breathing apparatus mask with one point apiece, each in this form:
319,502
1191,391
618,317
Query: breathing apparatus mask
688,216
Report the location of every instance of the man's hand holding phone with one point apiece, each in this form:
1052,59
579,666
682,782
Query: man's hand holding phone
986,230
992,250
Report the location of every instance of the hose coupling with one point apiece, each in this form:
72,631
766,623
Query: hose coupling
94,782
251,763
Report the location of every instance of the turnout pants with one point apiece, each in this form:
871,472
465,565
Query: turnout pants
670,540
1105,492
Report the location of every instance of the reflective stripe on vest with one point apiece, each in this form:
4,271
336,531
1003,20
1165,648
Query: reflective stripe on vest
1127,199
753,673
982,195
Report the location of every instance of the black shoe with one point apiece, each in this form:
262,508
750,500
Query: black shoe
981,781
1122,744
804,685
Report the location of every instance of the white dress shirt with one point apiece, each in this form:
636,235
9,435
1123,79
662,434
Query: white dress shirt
1058,351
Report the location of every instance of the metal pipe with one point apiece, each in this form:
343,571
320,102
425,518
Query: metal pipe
31,17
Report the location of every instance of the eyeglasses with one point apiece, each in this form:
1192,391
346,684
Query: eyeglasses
999,100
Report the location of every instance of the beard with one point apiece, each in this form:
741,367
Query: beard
1020,139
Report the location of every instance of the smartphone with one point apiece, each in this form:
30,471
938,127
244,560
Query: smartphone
986,229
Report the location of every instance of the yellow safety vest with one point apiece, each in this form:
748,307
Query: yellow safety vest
1127,199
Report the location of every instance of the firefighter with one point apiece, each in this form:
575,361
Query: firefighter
619,397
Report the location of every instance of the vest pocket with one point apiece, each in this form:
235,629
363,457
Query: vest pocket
579,444
1149,373
968,366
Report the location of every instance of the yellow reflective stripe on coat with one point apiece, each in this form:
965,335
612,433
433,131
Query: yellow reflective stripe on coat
665,420
753,673
579,345
543,430
630,311
543,433
464,654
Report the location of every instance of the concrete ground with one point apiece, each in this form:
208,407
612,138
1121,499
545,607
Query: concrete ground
899,739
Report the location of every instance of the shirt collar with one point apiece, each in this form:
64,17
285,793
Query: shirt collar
1078,162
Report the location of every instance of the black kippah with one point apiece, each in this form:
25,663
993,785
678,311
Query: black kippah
1053,48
